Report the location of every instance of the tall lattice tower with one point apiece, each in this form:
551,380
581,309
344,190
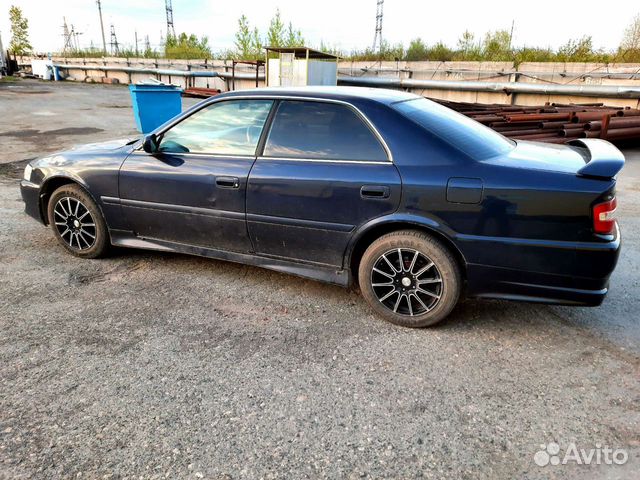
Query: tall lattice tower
68,36
170,30
377,39
115,48
71,42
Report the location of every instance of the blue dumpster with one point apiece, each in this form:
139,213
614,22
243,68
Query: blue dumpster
154,104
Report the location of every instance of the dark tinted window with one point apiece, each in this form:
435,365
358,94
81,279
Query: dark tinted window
467,135
321,130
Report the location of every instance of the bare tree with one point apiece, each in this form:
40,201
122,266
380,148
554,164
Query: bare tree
631,39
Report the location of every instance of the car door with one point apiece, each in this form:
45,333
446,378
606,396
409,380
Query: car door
192,190
323,172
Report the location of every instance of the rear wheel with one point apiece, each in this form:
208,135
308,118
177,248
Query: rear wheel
77,223
410,278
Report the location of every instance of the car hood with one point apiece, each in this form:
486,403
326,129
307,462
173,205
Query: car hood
90,154
108,145
541,156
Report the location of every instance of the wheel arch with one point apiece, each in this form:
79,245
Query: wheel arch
51,184
367,235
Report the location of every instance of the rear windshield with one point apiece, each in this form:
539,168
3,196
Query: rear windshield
470,137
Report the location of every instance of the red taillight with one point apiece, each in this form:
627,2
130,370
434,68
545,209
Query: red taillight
604,220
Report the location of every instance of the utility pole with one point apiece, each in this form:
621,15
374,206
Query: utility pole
513,22
104,41
135,32
377,39
170,29
75,37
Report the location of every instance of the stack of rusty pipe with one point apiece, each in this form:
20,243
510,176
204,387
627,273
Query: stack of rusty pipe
555,122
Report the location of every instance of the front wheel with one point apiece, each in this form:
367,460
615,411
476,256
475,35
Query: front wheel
77,222
410,279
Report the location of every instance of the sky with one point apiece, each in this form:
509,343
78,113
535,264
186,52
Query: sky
345,24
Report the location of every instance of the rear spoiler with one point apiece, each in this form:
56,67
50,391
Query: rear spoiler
603,159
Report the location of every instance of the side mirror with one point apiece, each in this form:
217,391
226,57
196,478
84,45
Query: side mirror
150,143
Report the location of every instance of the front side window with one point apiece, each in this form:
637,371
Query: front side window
226,128
321,130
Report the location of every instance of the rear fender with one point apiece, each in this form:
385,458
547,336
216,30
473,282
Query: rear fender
400,221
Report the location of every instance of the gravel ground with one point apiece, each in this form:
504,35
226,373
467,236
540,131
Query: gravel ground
152,365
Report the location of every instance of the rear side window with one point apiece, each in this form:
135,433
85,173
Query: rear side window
470,137
320,130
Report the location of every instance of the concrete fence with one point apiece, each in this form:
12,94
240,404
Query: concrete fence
540,74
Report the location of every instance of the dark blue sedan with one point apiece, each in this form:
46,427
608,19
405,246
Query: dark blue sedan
416,203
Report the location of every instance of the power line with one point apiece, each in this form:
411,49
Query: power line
377,38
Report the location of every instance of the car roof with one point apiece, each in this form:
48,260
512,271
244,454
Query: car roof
381,95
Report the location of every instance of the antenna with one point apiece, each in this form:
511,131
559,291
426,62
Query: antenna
115,49
377,39
104,42
170,30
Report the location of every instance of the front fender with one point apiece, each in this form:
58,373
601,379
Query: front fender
52,181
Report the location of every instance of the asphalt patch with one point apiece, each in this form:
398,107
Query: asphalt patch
30,133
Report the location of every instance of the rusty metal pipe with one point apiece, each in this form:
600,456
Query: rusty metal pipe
554,125
615,122
536,136
619,133
515,133
591,134
511,125
537,116
600,91
582,117
571,132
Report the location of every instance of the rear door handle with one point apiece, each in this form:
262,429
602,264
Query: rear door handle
228,182
374,191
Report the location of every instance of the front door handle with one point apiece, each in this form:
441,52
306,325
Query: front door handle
228,182
374,191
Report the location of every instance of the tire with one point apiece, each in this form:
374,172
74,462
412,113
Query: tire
411,293
77,222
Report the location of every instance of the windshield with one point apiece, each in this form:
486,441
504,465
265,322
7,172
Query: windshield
470,137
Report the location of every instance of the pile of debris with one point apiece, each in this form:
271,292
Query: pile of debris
555,122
